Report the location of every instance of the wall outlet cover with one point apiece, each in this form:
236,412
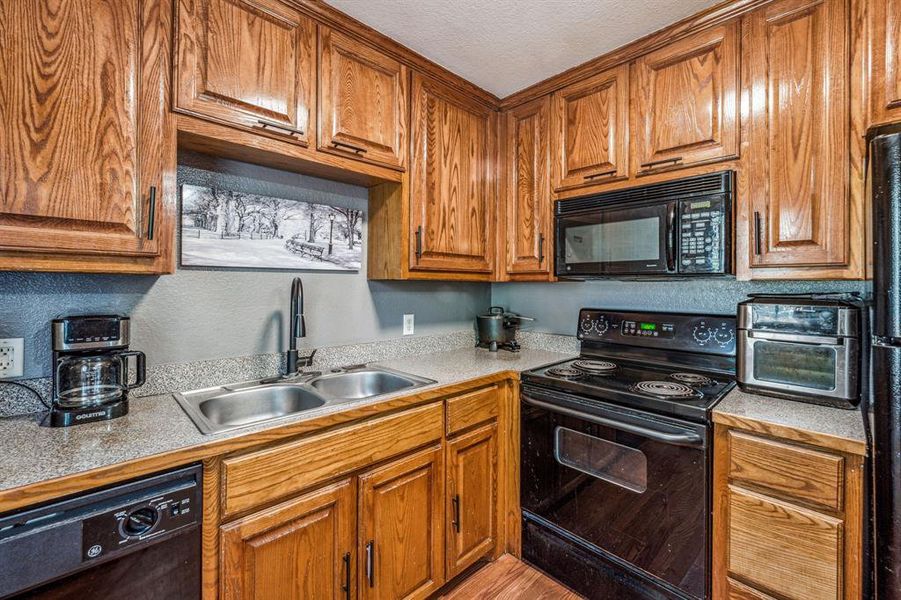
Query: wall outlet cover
408,324
12,353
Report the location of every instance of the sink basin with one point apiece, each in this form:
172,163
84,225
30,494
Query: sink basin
219,409
365,383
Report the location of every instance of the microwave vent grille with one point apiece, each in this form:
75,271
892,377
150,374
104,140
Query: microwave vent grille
702,185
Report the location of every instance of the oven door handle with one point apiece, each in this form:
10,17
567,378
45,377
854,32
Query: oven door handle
674,439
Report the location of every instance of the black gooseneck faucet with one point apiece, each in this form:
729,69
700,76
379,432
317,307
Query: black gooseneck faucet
298,325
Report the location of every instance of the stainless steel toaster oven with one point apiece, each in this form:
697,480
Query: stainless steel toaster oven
805,348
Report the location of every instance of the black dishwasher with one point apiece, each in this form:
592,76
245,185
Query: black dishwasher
138,540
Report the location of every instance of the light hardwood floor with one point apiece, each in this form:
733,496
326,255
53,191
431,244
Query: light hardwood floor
508,578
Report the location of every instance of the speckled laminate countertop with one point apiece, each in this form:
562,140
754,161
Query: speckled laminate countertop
155,425
837,428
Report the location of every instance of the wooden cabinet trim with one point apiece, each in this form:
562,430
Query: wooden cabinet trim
472,408
338,138
259,477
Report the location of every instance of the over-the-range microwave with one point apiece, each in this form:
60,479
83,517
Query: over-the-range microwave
676,228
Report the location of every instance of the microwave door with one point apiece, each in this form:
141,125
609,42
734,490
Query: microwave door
635,240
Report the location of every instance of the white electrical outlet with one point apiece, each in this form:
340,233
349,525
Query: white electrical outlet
11,356
408,324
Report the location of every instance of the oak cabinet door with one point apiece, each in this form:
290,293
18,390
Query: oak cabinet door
362,102
471,497
249,63
452,197
685,102
83,127
885,60
401,528
591,130
303,549
528,209
797,57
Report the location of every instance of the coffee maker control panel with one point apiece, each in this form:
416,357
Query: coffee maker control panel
90,333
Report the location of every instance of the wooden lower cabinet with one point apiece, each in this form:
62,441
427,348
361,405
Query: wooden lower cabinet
402,528
787,521
471,497
303,549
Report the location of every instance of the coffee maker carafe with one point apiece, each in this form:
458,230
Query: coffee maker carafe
91,365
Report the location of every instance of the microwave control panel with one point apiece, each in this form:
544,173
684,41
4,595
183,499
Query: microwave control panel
712,334
704,225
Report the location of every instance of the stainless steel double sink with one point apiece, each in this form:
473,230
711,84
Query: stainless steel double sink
228,407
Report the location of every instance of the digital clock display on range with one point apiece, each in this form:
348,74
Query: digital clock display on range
648,326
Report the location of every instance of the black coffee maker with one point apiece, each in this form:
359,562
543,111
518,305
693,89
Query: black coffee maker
91,364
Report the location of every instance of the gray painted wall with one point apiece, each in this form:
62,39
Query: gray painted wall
199,314
556,305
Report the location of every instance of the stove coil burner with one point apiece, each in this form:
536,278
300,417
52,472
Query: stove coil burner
595,367
693,379
666,389
565,372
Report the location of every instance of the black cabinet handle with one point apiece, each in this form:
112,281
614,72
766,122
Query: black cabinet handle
370,559
455,501
279,129
650,166
151,213
346,587
604,174
419,242
351,147
757,244
540,248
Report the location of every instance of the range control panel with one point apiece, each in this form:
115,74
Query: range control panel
709,334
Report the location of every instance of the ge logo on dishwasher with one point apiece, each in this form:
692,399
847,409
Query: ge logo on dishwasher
95,550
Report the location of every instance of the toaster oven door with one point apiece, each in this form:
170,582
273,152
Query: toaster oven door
808,367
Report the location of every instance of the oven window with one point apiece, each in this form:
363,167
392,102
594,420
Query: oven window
806,366
612,462
615,241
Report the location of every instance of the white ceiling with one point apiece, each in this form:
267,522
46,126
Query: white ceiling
506,45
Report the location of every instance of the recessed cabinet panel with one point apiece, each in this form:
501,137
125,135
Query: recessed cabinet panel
797,53
363,101
249,63
590,129
528,194
82,128
452,195
685,102
885,60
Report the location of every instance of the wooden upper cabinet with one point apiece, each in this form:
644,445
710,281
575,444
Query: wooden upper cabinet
685,102
303,549
797,59
528,206
84,134
362,101
885,60
249,63
471,498
452,191
401,528
590,134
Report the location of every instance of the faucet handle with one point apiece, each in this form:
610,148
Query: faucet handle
307,361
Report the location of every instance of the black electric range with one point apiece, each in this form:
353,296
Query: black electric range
616,455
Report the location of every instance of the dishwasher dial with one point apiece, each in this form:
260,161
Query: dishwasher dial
140,521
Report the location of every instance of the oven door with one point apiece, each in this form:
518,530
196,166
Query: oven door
618,240
630,485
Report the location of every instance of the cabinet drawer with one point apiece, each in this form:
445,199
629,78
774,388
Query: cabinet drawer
795,472
471,409
776,546
260,477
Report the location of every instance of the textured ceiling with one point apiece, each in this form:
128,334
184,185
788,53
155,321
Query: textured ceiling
506,45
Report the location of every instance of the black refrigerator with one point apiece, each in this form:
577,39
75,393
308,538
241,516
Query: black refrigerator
885,396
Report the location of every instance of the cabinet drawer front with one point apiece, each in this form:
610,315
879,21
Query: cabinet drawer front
260,477
777,546
795,472
471,409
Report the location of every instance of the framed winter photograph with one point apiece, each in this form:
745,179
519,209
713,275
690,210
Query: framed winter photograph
224,228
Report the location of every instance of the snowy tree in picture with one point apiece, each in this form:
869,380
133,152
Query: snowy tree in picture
224,228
